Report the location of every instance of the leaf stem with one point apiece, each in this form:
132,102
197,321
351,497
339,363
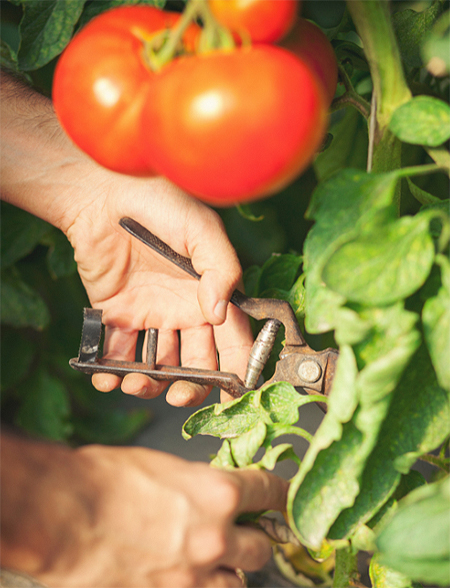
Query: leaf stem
350,97
346,571
442,463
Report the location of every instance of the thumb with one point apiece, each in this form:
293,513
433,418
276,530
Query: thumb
215,259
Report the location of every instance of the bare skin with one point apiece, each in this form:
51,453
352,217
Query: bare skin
105,517
45,174
129,517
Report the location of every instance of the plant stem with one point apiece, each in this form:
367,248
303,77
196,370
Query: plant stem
374,26
189,15
350,97
373,23
346,571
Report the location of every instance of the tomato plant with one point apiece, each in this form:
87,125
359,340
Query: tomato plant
367,272
308,42
264,21
218,125
102,81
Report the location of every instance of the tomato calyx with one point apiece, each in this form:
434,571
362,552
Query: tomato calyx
167,44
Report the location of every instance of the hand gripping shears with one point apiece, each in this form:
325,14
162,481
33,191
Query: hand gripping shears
298,364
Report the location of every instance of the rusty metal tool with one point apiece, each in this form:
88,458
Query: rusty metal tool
298,364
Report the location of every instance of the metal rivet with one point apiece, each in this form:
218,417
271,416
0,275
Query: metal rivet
309,371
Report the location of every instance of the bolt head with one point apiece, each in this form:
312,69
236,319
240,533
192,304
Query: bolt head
309,371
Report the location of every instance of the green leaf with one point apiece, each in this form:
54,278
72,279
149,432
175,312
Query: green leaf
435,48
21,306
246,212
383,577
422,196
224,458
276,403
111,427
416,541
244,447
21,232
279,272
341,206
8,56
328,479
436,326
424,120
93,9
417,422
275,454
385,264
46,28
45,408
411,28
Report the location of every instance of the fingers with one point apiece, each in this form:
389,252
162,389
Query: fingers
261,490
197,351
234,340
167,354
215,259
223,578
119,344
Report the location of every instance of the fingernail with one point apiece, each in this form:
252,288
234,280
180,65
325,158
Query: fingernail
220,310
142,392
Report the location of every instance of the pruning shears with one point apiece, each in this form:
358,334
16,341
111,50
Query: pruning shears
298,364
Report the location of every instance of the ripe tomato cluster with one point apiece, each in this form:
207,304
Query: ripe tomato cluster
225,124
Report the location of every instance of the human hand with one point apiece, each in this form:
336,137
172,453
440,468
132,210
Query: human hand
44,173
138,289
132,517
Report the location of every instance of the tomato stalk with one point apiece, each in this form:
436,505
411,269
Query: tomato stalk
214,36
374,26
346,571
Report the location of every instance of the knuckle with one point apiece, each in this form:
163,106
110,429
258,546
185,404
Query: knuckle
227,494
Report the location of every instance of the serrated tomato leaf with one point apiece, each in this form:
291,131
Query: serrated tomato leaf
417,422
341,207
385,264
276,403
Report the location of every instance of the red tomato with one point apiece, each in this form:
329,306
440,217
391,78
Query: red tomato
309,43
234,126
102,81
265,21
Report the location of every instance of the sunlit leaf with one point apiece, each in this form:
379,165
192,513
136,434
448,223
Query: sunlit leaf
385,264
416,423
424,120
436,324
416,541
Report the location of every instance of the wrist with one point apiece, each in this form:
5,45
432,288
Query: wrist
42,171
46,506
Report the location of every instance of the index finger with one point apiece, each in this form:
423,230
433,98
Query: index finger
261,490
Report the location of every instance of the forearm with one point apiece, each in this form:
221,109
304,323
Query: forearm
41,170
45,494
